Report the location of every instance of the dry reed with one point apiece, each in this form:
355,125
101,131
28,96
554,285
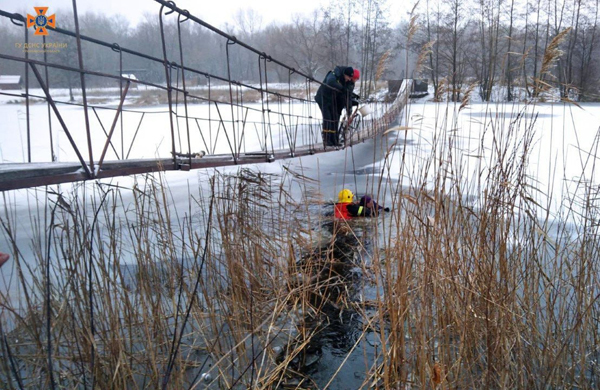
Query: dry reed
125,290
551,55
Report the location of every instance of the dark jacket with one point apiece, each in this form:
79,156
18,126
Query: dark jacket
357,210
362,210
335,91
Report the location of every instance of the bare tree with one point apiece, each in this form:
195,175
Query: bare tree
248,22
303,39
334,39
450,44
272,40
567,85
489,29
587,53
376,39
508,70
434,54
468,35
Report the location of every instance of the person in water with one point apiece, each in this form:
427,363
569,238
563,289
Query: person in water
346,208
345,200
370,207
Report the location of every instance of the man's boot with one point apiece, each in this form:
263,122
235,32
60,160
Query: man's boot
329,138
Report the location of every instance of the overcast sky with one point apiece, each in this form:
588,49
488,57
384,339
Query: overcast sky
215,12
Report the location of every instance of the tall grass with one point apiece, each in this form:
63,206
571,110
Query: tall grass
142,297
489,291
470,281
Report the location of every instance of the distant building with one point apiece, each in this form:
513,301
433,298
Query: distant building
10,82
418,89
131,77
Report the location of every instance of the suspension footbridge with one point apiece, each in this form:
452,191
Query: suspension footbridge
167,114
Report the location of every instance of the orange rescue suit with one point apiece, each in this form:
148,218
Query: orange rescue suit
340,211
347,210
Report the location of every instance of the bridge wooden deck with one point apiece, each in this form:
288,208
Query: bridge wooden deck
24,175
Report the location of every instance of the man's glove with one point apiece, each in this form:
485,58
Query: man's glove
387,209
354,102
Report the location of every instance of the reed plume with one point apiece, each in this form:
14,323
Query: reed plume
467,96
382,65
551,55
412,27
441,90
425,51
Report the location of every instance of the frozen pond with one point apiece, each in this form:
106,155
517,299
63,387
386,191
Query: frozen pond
145,132
550,147
561,142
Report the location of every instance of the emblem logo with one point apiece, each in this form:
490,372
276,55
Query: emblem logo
40,21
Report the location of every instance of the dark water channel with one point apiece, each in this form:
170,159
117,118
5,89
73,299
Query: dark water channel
339,354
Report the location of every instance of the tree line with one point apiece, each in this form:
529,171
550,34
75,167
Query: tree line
517,45
515,49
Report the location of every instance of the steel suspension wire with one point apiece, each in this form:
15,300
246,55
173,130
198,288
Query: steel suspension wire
27,95
116,48
83,90
185,102
168,80
48,105
264,121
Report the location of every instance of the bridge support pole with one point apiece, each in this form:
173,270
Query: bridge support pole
60,119
168,68
83,89
112,128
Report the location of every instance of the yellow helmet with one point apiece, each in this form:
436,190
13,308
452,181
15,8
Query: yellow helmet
345,196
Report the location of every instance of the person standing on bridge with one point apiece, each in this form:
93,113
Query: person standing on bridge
332,97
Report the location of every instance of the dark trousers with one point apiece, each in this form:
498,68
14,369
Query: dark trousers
331,122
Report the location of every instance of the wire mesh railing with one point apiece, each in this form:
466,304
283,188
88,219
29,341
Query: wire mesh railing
171,114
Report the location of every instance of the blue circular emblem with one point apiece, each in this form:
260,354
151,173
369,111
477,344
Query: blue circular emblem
41,20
